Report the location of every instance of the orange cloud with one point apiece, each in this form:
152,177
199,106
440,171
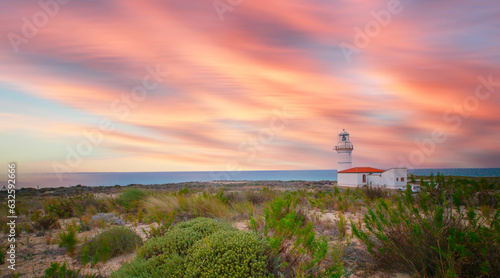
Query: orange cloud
222,81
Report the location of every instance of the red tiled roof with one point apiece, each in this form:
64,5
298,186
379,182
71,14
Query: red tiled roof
362,170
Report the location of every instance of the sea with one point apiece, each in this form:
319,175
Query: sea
126,178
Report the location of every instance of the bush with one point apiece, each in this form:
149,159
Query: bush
66,207
83,203
228,254
68,239
203,225
181,237
131,197
296,249
185,245
61,207
85,223
46,222
57,270
174,241
168,266
108,244
429,242
132,194
373,193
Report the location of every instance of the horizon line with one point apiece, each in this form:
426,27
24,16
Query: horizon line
31,173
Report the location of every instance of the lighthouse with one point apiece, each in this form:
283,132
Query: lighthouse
344,149
347,176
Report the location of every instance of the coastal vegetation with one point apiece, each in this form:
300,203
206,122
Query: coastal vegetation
109,243
260,229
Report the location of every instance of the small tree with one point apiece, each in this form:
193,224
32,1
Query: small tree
412,179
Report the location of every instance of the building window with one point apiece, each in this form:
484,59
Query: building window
397,179
402,179
364,178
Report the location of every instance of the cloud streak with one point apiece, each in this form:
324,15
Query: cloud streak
226,78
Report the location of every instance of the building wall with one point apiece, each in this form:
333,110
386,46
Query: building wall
389,177
349,179
374,179
386,179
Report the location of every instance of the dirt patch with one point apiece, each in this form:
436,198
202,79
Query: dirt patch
35,252
241,225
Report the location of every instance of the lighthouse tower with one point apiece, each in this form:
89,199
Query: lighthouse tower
344,149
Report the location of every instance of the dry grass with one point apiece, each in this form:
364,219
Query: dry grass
186,207
243,210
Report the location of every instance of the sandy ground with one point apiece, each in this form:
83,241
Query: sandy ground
35,253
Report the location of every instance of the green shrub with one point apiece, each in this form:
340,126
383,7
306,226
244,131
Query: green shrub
336,270
108,244
342,225
68,239
181,237
131,196
203,225
165,222
46,222
61,207
376,192
82,203
169,255
168,266
296,249
228,254
85,223
174,241
430,243
57,270
65,207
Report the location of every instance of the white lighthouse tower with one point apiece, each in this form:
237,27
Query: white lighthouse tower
344,149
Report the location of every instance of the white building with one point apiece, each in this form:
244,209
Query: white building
364,176
368,176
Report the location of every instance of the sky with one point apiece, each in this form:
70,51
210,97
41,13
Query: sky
204,85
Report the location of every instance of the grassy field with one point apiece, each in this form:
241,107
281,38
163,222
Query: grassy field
266,229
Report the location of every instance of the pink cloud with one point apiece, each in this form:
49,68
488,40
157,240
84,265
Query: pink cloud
225,79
